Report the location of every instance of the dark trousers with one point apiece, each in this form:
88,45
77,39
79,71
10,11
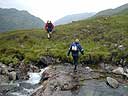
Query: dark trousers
49,30
75,61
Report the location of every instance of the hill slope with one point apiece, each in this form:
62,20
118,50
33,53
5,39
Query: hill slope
103,38
115,11
73,17
12,19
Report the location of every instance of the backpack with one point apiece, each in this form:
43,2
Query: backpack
74,47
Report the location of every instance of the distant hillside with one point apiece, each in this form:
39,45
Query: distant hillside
73,17
115,11
12,19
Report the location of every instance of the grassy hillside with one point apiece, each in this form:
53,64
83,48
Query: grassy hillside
100,37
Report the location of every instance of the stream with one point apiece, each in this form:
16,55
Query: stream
22,88
87,87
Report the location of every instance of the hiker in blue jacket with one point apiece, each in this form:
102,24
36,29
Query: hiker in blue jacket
75,48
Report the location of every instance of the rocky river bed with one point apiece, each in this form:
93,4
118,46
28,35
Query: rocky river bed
61,80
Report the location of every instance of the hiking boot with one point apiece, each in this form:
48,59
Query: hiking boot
75,70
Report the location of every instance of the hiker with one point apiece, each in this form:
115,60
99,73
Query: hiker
75,48
49,27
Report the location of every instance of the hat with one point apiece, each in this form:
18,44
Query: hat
77,40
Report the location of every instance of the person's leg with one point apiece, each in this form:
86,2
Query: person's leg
75,62
48,34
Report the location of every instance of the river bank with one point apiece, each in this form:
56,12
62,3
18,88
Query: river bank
61,80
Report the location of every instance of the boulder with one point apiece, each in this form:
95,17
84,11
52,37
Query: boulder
108,68
112,82
119,70
88,69
12,75
5,70
125,74
45,76
11,67
22,71
4,79
34,68
45,61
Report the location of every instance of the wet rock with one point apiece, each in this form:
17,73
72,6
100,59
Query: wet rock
10,67
34,69
55,81
45,61
12,75
88,69
4,69
108,68
58,60
112,82
45,76
4,79
125,75
118,70
22,71
61,80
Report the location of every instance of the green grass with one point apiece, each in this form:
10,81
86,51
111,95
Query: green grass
97,36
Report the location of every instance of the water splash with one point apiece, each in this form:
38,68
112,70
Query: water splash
35,77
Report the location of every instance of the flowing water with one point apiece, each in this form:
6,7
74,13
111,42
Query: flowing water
23,88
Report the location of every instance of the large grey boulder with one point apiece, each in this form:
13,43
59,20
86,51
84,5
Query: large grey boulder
112,82
45,61
3,69
12,75
118,70
22,71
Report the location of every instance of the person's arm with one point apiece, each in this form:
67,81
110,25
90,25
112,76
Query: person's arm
81,49
46,25
52,26
69,50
